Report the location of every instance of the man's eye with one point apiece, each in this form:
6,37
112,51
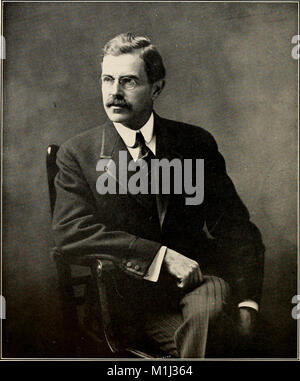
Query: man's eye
107,79
129,82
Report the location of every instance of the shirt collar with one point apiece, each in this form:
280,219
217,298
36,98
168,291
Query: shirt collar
128,135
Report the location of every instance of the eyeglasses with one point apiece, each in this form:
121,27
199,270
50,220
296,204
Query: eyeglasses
127,83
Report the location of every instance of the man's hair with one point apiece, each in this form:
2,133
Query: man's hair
129,43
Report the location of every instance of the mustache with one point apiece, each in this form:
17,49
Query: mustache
118,103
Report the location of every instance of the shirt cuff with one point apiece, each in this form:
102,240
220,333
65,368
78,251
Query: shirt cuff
154,269
249,303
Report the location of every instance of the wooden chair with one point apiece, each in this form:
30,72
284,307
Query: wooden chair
99,321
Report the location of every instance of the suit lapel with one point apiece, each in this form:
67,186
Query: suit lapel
167,146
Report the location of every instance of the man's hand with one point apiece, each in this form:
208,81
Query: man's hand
247,321
185,270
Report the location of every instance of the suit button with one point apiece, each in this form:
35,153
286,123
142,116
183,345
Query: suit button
136,267
128,264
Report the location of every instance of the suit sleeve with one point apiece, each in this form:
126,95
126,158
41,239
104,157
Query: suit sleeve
77,230
238,242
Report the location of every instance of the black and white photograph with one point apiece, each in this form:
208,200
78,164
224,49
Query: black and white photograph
149,181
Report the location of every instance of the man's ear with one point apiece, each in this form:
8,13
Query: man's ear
157,88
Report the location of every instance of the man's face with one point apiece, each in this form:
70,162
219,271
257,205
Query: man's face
127,94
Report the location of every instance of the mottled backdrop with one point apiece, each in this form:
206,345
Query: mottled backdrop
229,69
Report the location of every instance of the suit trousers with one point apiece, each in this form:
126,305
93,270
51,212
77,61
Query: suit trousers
201,324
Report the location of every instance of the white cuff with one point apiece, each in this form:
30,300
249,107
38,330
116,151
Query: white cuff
249,303
154,269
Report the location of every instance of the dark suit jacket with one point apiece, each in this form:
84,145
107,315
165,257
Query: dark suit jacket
126,228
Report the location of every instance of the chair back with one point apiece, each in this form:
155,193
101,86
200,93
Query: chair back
99,290
52,170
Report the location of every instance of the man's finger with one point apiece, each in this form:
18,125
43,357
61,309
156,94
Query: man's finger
180,283
200,275
196,277
189,281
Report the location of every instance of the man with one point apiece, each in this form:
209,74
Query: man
188,273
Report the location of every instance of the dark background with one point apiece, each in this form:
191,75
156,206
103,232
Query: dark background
229,69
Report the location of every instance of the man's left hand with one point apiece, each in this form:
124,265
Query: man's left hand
247,321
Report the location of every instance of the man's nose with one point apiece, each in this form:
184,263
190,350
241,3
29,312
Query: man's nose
116,88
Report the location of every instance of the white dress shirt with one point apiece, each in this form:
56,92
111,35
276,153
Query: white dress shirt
129,138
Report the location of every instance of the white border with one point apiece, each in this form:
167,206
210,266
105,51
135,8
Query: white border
1,207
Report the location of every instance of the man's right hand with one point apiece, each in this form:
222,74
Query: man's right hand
185,270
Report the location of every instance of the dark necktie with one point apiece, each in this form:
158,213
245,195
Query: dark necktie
145,152
147,155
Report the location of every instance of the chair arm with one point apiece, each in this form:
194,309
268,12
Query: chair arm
102,268
103,275
84,260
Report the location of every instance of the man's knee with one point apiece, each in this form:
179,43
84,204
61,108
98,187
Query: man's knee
211,298
218,295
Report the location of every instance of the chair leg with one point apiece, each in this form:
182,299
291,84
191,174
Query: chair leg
71,334
99,277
